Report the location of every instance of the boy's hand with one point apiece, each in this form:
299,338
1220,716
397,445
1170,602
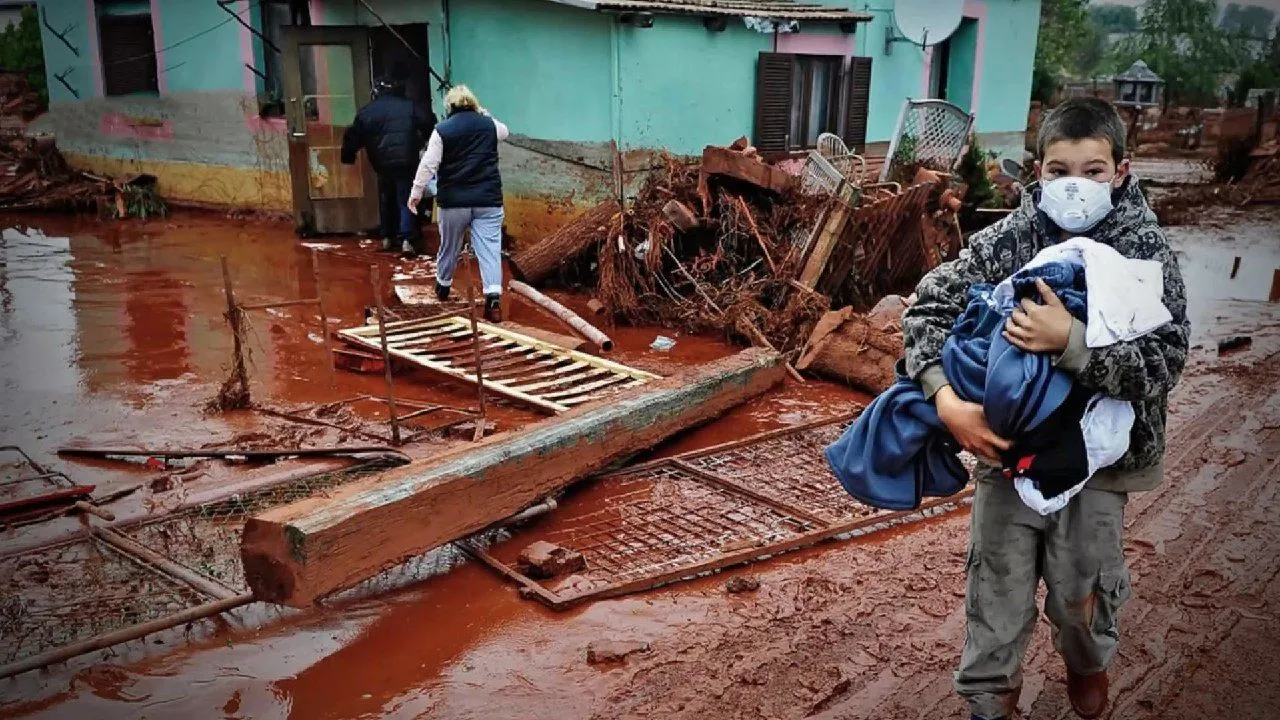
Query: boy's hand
968,425
1039,328
413,204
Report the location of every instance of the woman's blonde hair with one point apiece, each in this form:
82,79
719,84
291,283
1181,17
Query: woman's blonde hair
460,97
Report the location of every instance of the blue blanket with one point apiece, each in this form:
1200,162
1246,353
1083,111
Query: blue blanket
898,451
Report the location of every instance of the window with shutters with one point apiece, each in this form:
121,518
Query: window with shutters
799,97
128,45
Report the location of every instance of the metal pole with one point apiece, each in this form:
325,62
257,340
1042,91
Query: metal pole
324,317
386,353
475,343
233,317
106,640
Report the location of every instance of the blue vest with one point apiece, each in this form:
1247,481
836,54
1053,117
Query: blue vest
468,175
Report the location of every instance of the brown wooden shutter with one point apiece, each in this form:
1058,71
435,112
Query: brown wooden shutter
857,103
128,54
775,78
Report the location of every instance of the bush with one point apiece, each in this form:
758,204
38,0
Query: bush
22,52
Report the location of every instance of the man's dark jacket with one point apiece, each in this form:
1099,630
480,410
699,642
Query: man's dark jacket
392,130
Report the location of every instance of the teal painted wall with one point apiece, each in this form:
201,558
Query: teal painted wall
543,69
1012,27
59,58
963,64
209,57
684,87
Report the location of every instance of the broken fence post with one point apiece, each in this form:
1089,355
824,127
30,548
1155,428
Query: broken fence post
570,318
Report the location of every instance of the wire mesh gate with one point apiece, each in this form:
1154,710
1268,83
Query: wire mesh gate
689,515
180,570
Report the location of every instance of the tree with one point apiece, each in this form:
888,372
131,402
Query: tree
1248,21
22,52
1093,50
1180,41
1115,18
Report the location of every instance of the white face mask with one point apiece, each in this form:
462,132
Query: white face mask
1075,204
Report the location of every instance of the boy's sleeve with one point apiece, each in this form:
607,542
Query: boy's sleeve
941,297
1143,368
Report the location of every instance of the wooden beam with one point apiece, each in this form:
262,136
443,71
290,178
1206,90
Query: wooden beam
299,553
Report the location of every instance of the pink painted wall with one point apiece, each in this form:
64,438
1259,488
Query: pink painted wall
977,11
811,44
118,125
157,28
91,21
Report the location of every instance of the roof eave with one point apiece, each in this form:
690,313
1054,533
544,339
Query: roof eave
814,15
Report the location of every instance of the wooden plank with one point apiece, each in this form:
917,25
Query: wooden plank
299,553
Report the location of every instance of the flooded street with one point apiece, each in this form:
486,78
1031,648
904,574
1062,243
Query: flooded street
114,334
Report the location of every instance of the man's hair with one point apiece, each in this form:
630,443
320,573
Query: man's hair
1084,118
460,97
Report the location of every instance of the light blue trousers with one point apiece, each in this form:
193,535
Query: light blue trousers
486,242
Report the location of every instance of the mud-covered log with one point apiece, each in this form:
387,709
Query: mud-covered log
298,553
544,258
851,348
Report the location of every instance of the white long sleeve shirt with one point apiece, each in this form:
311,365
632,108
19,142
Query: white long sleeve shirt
430,163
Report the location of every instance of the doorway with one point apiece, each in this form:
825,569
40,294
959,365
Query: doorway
327,79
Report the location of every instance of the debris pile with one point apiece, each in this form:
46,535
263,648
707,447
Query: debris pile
1261,183
18,103
738,244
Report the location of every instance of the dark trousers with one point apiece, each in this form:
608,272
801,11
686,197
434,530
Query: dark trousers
395,220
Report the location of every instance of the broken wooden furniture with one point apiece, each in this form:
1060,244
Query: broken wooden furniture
685,516
299,553
742,167
534,373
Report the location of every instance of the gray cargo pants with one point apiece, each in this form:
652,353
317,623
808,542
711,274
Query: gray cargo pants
1079,553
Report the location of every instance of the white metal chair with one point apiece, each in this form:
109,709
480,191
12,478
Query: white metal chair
935,132
850,165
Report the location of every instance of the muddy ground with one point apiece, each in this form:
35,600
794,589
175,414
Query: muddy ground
126,341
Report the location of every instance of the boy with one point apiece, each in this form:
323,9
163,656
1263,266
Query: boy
1078,551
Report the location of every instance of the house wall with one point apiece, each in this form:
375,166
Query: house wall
568,82
1003,41
200,136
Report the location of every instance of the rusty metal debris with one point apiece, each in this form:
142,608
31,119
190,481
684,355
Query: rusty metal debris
174,573
29,492
685,516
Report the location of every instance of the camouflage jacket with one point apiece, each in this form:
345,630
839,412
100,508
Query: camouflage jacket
1142,371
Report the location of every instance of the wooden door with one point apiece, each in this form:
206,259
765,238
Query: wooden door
326,80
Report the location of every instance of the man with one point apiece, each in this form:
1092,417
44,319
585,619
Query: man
463,153
393,130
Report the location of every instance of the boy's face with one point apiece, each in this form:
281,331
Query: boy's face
1089,158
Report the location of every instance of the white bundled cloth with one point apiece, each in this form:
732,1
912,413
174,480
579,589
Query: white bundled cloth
1125,302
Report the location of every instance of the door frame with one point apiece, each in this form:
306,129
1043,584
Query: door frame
319,216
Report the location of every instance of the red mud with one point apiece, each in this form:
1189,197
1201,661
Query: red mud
866,628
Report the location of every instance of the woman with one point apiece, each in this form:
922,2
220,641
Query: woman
462,155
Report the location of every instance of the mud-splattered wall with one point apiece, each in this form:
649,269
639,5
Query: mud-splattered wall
568,81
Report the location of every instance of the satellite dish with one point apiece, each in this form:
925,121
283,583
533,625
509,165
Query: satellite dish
927,22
